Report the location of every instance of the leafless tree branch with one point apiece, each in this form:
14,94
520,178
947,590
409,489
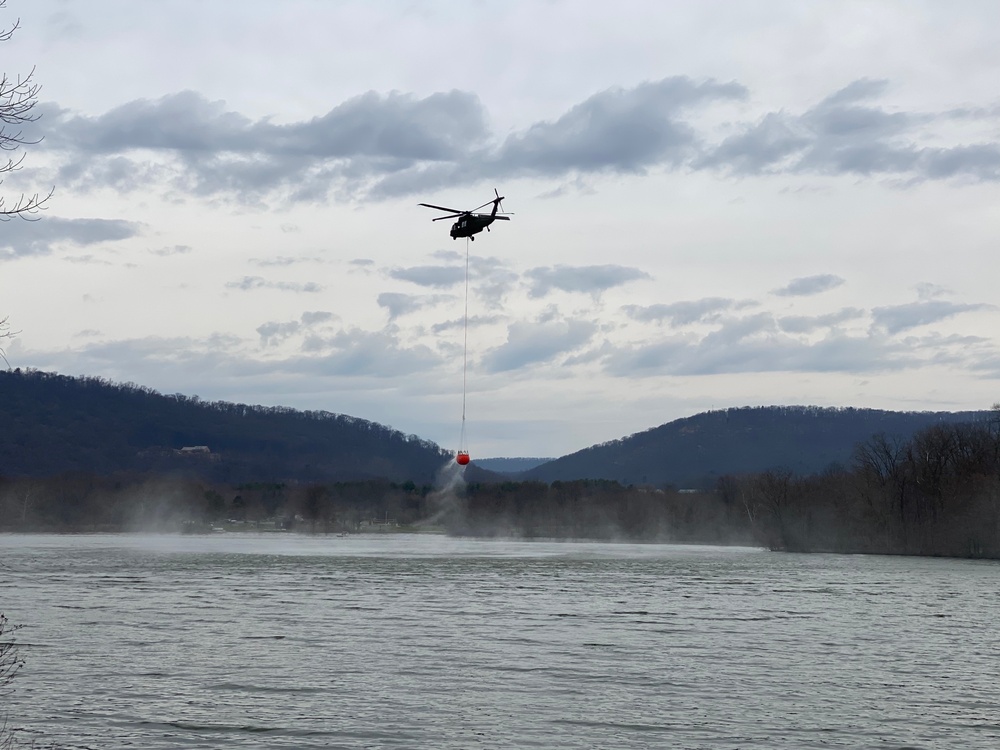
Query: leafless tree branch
18,99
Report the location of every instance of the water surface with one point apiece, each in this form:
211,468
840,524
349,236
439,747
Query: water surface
413,641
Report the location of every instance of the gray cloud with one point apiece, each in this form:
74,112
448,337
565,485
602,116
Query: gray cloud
377,146
250,283
346,353
681,313
762,343
41,237
168,251
808,285
474,321
897,318
588,279
622,130
313,317
394,126
356,352
492,279
534,343
756,345
282,261
224,152
846,134
402,304
432,276
810,323
274,332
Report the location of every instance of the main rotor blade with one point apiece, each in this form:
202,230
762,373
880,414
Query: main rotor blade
449,216
442,208
502,218
488,203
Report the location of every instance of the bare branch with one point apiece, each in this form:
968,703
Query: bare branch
26,207
6,333
18,98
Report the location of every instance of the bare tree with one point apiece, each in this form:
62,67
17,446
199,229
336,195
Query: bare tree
5,333
18,98
10,665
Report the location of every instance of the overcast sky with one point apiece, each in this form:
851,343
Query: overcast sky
715,204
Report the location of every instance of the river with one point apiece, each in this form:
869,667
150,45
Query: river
424,641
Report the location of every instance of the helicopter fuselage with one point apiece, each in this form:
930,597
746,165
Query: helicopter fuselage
470,224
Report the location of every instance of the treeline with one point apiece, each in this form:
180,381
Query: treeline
84,502
582,509
935,494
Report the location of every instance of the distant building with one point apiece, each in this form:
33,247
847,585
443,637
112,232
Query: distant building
194,449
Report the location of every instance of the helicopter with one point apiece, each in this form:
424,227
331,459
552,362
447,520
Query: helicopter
469,222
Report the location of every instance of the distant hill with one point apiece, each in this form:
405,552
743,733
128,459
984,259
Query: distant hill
694,452
510,466
50,424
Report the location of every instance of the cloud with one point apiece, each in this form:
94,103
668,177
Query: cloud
681,313
588,279
756,345
275,332
372,145
492,280
809,285
897,318
41,237
391,126
283,261
348,353
375,146
250,283
474,321
810,323
761,343
356,352
402,304
431,276
928,291
535,343
619,130
218,151
165,252
846,133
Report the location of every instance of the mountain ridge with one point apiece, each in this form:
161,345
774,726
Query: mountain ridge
693,452
55,423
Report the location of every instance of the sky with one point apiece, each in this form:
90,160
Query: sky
715,204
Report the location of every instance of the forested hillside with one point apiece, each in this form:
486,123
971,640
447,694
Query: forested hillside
53,424
694,452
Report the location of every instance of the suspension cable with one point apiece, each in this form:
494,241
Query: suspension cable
465,346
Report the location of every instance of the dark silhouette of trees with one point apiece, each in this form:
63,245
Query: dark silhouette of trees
937,493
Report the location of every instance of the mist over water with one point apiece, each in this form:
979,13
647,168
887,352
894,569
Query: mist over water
445,499
421,641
